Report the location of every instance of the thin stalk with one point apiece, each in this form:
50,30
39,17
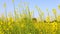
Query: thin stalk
39,11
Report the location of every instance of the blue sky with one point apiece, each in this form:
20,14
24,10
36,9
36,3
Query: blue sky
43,4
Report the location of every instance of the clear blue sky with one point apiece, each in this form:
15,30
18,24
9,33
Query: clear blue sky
43,4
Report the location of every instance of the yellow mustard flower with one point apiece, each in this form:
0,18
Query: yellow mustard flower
10,19
48,19
29,33
54,26
22,25
53,32
1,32
4,5
9,23
54,10
7,29
13,1
58,18
1,23
41,32
4,27
59,6
37,25
11,27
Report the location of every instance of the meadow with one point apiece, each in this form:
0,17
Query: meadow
25,23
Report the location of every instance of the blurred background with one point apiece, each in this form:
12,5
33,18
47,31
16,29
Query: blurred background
20,4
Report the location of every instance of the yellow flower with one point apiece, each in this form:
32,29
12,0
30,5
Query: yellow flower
58,18
54,10
11,27
1,32
48,19
41,32
59,7
9,23
22,25
13,1
7,29
10,19
37,25
4,27
4,5
54,26
29,33
1,23
53,33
